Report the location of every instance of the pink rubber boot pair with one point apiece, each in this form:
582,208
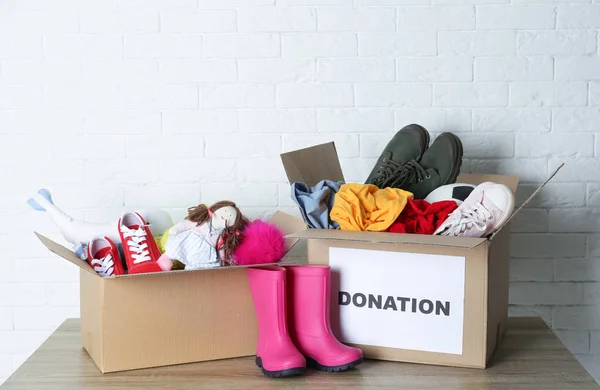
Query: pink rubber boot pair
298,297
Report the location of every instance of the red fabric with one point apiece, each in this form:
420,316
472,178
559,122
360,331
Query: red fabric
422,217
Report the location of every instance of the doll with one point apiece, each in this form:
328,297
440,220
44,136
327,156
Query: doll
206,238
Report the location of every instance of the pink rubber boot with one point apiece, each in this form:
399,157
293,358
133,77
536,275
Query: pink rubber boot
275,352
308,288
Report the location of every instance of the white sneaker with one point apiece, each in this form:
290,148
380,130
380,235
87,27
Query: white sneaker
487,208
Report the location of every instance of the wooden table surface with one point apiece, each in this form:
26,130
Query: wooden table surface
530,357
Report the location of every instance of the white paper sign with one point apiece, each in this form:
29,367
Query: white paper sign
398,300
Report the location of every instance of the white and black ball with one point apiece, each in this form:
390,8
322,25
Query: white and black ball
457,192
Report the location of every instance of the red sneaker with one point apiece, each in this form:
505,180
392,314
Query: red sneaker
103,256
141,251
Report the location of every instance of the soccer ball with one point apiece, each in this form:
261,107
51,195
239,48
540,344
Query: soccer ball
457,192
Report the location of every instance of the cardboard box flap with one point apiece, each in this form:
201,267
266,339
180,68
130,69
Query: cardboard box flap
537,191
65,253
510,181
388,238
311,165
288,224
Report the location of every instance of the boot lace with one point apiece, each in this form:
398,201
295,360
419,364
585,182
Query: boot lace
137,243
474,217
104,266
408,173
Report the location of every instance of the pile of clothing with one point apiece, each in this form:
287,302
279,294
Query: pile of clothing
411,189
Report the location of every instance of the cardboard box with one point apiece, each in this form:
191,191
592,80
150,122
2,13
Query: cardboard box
409,297
158,319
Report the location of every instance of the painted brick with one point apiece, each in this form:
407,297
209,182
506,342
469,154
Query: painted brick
162,97
554,145
6,319
354,120
514,69
578,16
6,366
262,170
435,119
277,19
572,120
488,145
81,97
576,317
531,270
346,145
511,120
245,194
238,96
319,45
575,220
241,46
577,270
547,246
233,3
545,293
17,46
553,195
41,72
17,295
556,42
20,97
122,72
577,170
356,19
315,95
138,21
254,146
116,172
545,312
163,46
198,71
436,18
355,70
470,95
122,122
187,146
595,342
278,121
393,94
22,341
371,145
280,70
576,341
595,93
465,2
63,294
162,195
434,69
593,194
39,21
198,21
89,47
194,170
43,318
202,122
315,2
577,68
40,171
531,221
591,293
391,2
548,94
397,44
515,17
479,43
79,147
357,169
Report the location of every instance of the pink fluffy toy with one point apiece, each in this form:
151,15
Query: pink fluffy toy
263,243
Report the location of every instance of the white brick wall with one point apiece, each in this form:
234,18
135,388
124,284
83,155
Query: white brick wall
130,103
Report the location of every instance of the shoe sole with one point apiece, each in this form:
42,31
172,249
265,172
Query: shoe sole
295,371
312,363
456,169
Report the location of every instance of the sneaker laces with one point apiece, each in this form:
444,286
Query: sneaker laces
410,172
137,243
473,217
104,266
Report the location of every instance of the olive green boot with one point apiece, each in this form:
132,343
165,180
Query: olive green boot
408,144
440,165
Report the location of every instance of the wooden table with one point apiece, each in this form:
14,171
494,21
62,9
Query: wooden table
530,357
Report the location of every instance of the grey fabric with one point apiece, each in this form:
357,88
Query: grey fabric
316,202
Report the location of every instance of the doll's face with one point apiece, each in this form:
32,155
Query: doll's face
224,216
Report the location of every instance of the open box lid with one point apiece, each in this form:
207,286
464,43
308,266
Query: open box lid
313,164
286,223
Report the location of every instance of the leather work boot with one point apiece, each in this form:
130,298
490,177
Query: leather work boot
440,165
408,144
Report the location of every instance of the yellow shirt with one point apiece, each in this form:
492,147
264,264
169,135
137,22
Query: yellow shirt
364,207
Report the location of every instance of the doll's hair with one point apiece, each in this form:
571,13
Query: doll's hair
231,236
